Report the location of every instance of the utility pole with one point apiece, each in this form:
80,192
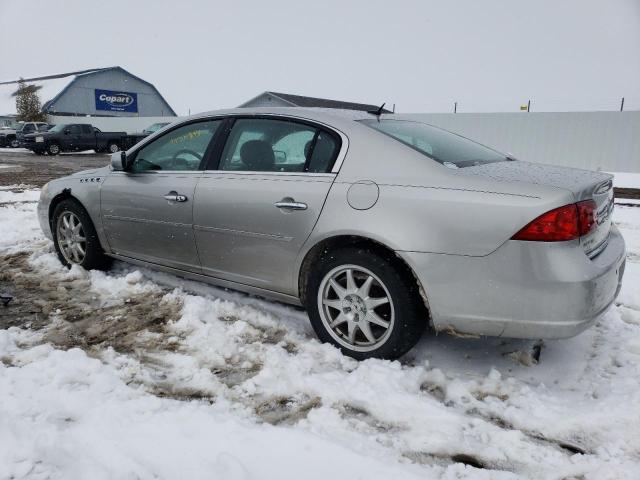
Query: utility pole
528,106
622,104
455,107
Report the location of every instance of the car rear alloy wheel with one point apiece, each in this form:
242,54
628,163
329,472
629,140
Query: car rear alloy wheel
71,238
356,308
113,148
54,149
365,301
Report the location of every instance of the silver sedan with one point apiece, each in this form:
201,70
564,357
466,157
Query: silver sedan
381,227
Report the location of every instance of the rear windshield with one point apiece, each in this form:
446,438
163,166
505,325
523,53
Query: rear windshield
444,147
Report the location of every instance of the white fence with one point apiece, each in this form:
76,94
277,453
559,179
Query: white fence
608,141
113,124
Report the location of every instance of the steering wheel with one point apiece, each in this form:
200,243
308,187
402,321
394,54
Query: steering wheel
188,152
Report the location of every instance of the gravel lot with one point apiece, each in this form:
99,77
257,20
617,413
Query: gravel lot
20,166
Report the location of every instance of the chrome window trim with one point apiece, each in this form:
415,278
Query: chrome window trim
334,170
268,173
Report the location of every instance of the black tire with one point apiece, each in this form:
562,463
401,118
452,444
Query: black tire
14,143
53,149
410,317
113,147
94,257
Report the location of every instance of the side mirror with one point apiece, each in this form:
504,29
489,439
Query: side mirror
119,161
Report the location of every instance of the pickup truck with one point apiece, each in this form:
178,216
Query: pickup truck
12,137
74,137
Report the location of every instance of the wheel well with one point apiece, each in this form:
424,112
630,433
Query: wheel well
342,241
65,194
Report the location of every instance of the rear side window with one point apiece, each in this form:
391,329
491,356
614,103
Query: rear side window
444,147
269,145
74,129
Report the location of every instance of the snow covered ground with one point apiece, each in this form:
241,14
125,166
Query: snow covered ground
139,374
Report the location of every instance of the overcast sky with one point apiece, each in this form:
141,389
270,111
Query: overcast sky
490,55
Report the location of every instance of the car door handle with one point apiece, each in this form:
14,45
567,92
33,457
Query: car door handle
290,204
174,196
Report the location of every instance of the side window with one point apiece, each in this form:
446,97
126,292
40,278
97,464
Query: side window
43,127
74,129
267,145
324,152
86,129
180,149
29,128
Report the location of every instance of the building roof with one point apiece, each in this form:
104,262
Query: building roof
54,86
311,102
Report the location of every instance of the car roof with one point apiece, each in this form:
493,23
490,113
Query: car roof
326,115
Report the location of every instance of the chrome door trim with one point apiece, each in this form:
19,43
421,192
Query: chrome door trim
244,233
145,220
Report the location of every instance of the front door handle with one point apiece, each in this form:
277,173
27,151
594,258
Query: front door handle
290,204
174,196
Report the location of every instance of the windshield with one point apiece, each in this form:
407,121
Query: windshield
444,147
57,128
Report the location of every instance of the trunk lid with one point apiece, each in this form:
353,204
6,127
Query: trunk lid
583,184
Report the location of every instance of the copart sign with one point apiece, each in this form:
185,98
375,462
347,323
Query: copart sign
116,101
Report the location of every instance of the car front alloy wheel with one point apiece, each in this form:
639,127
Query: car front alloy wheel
71,238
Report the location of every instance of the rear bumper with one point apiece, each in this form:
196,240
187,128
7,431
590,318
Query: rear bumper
523,289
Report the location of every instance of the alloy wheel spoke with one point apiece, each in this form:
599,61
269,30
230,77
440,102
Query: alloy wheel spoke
351,283
339,320
372,303
351,333
337,304
65,222
366,329
363,291
373,317
340,291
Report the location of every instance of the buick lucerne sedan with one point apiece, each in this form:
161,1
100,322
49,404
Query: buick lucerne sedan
380,226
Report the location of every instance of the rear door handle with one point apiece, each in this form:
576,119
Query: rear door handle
290,204
174,196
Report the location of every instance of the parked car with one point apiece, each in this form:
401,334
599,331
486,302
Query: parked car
380,226
134,138
8,137
29,127
154,127
74,137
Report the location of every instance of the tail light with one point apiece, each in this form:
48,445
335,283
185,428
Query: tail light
561,224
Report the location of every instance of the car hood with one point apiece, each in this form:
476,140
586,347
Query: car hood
92,172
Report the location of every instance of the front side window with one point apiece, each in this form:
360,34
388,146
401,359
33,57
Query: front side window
74,129
86,129
29,128
180,149
444,147
268,145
